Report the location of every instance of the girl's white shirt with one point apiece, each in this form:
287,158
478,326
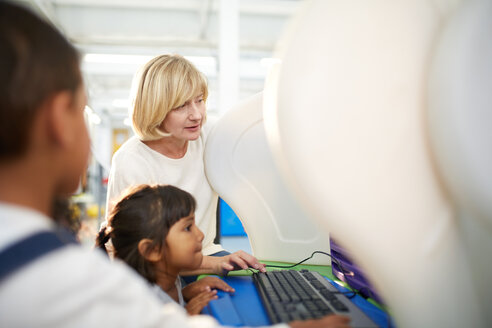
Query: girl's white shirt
165,298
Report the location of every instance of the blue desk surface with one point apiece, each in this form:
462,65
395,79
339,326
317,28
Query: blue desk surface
248,309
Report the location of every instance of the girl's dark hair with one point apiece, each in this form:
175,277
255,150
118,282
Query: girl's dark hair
36,62
67,214
145,212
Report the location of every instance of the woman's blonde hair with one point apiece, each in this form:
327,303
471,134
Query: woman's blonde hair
164,83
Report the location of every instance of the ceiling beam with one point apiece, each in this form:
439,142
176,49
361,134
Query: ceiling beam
252,7
164,42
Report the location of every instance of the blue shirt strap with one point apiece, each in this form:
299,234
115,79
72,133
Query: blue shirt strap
30,248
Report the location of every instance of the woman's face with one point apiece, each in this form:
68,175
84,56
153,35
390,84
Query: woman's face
185,122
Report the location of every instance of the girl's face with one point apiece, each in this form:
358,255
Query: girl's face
184,244
185,122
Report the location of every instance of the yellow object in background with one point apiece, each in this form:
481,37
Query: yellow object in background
93,211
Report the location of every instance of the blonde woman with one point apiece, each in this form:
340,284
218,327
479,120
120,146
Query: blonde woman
168,118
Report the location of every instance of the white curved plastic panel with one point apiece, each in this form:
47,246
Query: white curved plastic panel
345,118
461,108
240,167
460,124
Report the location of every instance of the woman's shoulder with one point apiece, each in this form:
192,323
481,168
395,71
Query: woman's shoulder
128,146
132,150
130,163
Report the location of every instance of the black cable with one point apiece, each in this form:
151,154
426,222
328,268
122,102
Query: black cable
315,252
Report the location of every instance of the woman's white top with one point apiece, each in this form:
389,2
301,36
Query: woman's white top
135,163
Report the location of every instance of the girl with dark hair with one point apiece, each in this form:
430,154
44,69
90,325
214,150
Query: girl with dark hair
153,230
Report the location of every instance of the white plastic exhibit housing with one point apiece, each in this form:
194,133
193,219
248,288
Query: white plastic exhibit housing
240,167
390,102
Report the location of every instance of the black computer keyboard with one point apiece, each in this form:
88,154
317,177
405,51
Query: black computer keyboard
298,295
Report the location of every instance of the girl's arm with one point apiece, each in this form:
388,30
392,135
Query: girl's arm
221,265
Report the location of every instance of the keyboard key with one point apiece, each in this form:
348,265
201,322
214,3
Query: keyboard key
309,276
278,307
316,315
339,306
317,285
328,295
283,317
322,306
296,316
311,306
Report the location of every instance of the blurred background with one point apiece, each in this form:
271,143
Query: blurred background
231,41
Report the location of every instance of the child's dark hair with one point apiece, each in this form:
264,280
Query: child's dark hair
36,63
145,212
67,214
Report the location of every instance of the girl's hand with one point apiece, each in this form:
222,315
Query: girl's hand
205,284
239,260
221,265
196,304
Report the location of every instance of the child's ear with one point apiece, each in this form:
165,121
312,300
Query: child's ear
149,252
59,128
